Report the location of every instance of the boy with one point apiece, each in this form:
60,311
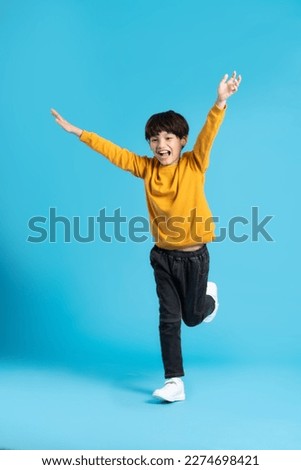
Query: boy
181,222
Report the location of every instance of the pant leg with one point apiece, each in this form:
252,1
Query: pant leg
170,314
192,278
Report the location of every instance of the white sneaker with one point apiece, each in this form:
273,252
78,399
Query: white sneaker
173,390
212,290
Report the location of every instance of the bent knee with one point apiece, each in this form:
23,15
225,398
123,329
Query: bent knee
191,322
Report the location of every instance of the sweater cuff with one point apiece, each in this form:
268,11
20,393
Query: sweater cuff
84,136
219,110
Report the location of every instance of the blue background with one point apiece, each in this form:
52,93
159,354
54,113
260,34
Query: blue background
78,325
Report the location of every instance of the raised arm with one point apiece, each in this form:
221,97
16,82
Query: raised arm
203,145
120,157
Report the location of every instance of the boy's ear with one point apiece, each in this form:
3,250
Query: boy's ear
184,140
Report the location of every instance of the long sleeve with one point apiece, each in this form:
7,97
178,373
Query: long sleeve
201,150
128,161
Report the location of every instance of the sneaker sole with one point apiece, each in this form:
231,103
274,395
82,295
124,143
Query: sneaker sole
212,316
169,400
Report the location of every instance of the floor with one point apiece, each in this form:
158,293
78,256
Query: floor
228,406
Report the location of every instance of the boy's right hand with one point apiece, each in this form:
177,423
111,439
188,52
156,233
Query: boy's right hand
65,124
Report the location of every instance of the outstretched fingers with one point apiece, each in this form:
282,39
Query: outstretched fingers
56,114
60,120
228,86
234,82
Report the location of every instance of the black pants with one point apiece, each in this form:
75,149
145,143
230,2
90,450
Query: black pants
181,282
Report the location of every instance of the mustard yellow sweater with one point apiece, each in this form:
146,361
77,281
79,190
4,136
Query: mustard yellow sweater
178,209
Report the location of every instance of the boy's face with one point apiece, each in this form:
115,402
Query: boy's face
167,147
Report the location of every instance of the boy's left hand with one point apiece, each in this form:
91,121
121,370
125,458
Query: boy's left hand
227,88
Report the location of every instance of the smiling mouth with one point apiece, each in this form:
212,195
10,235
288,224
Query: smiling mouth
164,154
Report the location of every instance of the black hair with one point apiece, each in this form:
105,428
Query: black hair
168,121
